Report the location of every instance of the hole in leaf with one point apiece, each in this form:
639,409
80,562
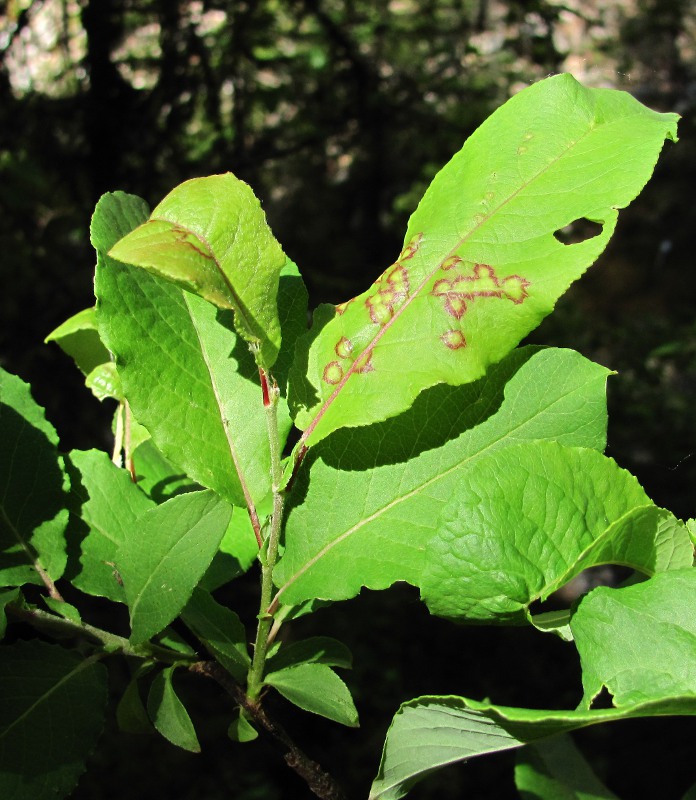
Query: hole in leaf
604,699
579,231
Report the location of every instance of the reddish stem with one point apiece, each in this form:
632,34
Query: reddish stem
264,388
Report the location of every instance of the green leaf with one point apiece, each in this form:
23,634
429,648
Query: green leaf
690,793
376,526
220,630
529,518
554,769
480,266
432,732
316,688
168,714
79,338
63,609
241,730
292,311
7,597
189,380
237,552
110,505
33,489
315,650
104,382
210,236
557,622
52,705
691,526
164,558
639,641
131,715
157,476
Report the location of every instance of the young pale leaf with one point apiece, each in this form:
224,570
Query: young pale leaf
432,732
109,506
210,236
316,688
79,338
52,705
315,650
525,520
189,380
168,714
33,489
481,265
220,630
554,769
379,491
639,641
163,559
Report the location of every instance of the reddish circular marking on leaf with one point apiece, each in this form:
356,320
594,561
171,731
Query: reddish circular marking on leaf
455,305
451,262
379,311
397,280
453,339
411,247
515,288
363,363
344,347
333,372
441,287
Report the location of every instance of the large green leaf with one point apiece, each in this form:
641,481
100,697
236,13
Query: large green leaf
189,380
33,489
481,266
525,520
375,494
110,504
640,640
52,705
161,562
210,236
432,732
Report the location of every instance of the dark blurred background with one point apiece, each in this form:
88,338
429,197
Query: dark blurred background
339,113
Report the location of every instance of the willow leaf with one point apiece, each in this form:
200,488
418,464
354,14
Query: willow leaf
482,263
527,519
429,733
210,236
374,495
188,378
33,490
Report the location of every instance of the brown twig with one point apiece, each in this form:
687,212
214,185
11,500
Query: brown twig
319,781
